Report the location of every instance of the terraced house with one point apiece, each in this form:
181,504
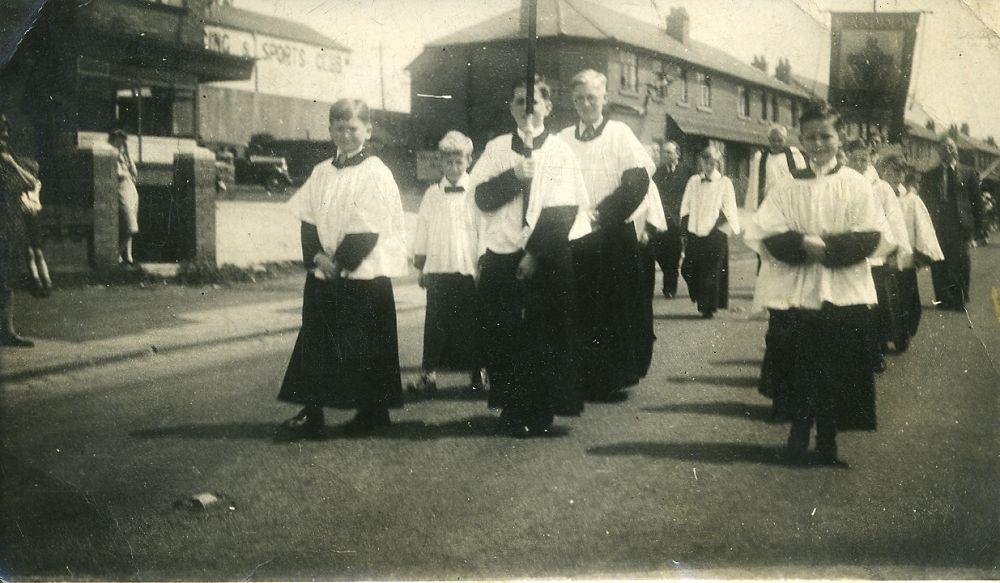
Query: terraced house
662,83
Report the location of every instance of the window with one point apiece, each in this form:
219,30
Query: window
763,105
685,88
660,91
628,79
795,113
706,91
743,102
151,110
774,108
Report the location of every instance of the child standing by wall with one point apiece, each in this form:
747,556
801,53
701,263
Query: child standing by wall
445,252
347,354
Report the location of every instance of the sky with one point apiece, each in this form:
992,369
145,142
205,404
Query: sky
956,74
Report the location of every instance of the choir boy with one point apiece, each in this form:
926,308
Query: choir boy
531,196
815,233
616,170
346,354
445,251
709,204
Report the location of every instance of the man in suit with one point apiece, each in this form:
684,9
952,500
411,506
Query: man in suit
951,193
670,178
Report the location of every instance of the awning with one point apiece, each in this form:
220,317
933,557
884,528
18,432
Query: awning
148,53
703,124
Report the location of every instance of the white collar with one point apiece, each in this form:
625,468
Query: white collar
463,182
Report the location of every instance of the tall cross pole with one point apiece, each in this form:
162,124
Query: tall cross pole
529,86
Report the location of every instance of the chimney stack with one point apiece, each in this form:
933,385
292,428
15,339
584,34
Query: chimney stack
783,72
679,25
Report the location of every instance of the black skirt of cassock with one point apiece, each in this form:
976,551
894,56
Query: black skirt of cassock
706,270
645,336
909,301
347,354
451,324
528,337
888,324
819,362
608,291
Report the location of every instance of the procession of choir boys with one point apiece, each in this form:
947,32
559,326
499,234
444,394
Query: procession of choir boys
539,266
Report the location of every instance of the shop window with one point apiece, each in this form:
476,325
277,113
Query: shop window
685,87
763,105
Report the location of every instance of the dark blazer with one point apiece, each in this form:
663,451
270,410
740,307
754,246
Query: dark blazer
959,211
671,186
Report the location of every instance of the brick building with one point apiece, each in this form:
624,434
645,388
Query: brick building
662,83
82,69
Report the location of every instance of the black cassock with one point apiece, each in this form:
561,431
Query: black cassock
706,270
528,335
909,302
819,362
609,293
451,325
347,352
888,325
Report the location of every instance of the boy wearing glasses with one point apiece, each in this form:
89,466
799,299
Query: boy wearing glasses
531,203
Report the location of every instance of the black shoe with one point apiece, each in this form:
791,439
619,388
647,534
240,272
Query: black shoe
708,315
478,381
15,341
829,458
305,424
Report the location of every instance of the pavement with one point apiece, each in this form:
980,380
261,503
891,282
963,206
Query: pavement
98,325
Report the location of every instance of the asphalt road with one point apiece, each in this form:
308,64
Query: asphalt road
681,480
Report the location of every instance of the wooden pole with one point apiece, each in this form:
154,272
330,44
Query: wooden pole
529,86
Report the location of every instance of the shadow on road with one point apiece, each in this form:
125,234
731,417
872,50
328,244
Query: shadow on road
721,408
722,381
54,530
721,453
